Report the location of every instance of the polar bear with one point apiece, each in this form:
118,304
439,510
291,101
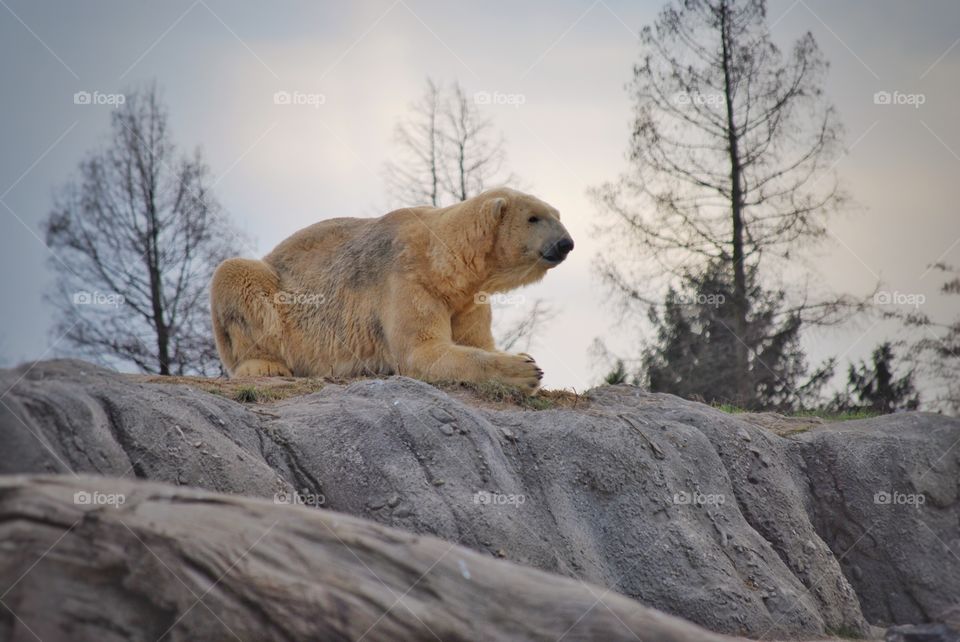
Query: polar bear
406,293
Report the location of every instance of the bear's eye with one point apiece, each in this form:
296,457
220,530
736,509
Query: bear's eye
533,219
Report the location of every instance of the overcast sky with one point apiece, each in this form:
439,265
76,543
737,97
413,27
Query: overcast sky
281,167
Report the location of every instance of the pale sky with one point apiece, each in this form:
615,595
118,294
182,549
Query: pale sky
281,167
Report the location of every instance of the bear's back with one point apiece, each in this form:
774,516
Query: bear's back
302,249
356,253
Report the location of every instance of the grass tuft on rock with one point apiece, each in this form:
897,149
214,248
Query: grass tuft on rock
825,415
497,393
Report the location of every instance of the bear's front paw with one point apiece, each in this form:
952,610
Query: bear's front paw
519,370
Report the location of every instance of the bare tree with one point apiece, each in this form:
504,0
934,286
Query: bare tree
447,151
414,178
732,153
134,242
475,155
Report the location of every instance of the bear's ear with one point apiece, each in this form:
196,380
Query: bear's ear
483,231
476,221
491,212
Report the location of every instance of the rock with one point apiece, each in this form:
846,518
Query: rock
181,564
660,499
885,497
922,633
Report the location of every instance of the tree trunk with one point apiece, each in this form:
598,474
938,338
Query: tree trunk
740,302
461,161
156,291
434,160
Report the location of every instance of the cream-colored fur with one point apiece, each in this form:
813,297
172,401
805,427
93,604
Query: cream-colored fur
399,294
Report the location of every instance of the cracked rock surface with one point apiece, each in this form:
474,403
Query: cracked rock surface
682,507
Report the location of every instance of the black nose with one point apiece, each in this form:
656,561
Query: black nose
559,250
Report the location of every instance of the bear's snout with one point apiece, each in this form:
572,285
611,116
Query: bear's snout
557,251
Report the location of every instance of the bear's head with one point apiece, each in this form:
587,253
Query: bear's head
496,241
523,237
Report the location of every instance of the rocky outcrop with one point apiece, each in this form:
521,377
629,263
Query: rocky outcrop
885,495
685,508
88,558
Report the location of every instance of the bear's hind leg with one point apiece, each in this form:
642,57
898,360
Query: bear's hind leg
261,368
247,326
